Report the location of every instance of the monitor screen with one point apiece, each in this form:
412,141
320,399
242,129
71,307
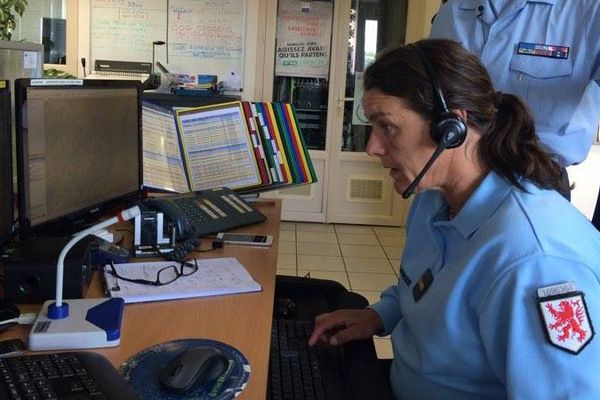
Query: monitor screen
79,151
6,178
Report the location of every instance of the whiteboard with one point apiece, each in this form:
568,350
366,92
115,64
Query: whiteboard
202,36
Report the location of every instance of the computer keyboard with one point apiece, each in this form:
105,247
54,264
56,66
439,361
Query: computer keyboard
57,376
297,371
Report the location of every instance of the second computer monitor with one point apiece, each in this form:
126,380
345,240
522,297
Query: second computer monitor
6,178
79,151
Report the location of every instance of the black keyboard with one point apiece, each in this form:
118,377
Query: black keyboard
297,371
55,376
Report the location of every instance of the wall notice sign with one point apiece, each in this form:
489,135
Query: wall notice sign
30,60
303,39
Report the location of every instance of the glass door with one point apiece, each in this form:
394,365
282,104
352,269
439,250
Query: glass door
325,90
361,190
302,76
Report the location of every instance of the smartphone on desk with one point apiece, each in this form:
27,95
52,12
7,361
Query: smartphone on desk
246,239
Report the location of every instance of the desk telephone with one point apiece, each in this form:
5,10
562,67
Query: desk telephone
204,212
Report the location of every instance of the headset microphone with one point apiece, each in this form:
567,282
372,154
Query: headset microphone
413,185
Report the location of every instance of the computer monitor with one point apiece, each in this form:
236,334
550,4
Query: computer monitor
7,220
78,151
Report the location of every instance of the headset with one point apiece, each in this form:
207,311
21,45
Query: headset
447,129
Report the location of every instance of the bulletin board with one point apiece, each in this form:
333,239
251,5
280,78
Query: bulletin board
201,36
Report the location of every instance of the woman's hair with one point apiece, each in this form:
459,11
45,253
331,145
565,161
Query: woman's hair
509,145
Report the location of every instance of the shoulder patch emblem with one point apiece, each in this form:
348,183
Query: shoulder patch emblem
566,320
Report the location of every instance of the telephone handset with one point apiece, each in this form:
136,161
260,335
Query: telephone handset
173,213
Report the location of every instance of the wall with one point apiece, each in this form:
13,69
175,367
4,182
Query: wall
253,46
34,12
418,23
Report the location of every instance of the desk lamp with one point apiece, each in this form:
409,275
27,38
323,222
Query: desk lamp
80,323
154,44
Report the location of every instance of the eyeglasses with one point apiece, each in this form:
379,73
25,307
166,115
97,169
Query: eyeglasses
164,276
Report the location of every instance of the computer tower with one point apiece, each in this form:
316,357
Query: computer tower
30,270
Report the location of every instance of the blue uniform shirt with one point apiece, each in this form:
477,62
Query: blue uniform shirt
563,93
476,332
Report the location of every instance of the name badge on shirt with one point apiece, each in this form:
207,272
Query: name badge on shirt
543,50
422,285
565,317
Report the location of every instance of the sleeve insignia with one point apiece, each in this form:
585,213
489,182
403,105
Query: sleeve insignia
565,317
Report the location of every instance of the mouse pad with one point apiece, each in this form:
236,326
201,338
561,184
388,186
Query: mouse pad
142,371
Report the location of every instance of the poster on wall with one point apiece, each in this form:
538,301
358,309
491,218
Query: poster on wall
303,38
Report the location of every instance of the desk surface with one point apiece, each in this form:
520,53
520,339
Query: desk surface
242,321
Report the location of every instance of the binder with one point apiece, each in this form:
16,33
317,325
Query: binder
245,146
300,144
217,147
268,146
293,155
258,145
276,143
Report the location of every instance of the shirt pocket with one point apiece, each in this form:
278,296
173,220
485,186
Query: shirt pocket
540,69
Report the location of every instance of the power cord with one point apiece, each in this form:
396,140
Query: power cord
23,319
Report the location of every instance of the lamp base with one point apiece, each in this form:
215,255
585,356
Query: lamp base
91,323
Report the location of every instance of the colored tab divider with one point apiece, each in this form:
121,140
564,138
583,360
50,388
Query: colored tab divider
287,144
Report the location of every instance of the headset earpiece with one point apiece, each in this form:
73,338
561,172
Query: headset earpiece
447,129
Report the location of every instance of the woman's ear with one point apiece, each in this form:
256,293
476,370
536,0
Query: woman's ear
461,113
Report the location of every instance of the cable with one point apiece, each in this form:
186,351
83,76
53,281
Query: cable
189,245
23,319
182,249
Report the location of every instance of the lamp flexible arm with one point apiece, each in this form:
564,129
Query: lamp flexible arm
124,215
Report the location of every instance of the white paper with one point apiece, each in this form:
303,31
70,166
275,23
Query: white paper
30,60
215,276
163,165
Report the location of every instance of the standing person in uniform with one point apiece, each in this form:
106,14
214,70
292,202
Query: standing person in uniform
545,51
500,275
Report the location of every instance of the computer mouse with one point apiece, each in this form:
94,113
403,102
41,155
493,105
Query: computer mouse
192,368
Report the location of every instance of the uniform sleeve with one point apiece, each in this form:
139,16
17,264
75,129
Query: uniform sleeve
388,309
516,339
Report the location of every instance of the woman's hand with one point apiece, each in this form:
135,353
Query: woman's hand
343,326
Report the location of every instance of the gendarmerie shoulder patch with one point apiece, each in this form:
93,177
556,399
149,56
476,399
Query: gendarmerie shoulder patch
565,317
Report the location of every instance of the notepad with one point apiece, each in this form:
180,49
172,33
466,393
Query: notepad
216,276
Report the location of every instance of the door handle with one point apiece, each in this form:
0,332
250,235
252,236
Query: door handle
341,99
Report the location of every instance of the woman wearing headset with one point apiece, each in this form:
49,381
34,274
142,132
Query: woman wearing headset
499,278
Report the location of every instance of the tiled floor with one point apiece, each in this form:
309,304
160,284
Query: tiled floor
364,259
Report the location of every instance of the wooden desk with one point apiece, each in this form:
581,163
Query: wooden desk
242,321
